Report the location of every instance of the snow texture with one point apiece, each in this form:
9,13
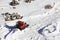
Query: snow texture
44,24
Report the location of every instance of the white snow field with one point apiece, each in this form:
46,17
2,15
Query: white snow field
44,24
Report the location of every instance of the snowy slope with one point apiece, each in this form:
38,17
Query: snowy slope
38,18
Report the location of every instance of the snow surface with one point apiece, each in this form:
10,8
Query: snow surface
38,18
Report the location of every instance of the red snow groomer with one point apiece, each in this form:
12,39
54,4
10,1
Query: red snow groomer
21,25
